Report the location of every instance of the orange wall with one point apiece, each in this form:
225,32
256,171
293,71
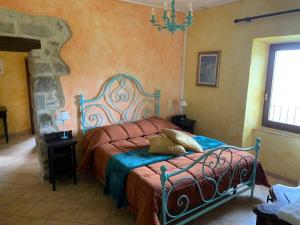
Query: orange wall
13,92
111,37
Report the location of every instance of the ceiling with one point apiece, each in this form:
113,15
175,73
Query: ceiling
182,5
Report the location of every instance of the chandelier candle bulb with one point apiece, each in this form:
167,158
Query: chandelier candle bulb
191,9
153,19
153,12
165,5
168,14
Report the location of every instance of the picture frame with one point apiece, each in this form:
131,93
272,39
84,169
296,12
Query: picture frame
208,68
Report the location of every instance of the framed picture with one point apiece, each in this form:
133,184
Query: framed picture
208,68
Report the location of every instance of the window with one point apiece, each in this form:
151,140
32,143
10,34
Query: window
282,96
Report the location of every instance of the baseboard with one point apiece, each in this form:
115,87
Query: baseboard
283,178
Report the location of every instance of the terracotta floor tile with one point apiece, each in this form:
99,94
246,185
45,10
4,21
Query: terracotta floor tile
15,190
56,222
233,211
84,203
67,212
80,196
8,219
6,202
94,215
29,180
120,217
19,207
100,198
30,221
65,186
86,224
44,210
43,186
11,178
34,194
208,222
55,196
225,222
209,218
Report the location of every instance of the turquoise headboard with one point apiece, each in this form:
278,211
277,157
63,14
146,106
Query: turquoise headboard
121,99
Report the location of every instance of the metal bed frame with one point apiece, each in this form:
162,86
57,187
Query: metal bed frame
213,159
123,99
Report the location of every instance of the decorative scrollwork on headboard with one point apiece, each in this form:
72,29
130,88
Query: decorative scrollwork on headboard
122,99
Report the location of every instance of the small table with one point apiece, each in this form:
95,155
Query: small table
184,123
3,115
280,196
61,156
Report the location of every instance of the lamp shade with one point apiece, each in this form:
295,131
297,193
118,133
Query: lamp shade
63,115
183,103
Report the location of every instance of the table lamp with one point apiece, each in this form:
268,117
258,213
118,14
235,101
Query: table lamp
63,116
183,103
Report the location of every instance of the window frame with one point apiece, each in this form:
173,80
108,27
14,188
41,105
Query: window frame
268,90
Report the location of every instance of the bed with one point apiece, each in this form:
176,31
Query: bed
170,190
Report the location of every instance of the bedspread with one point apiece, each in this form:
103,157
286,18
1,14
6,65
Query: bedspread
143,187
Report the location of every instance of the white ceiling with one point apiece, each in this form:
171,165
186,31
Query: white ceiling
182,5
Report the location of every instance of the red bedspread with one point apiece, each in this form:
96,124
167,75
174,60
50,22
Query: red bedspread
143,188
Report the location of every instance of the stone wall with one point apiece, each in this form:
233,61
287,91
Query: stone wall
45,67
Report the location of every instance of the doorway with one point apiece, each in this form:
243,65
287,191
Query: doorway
14,94
15,84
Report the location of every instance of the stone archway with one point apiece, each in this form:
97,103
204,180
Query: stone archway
45,67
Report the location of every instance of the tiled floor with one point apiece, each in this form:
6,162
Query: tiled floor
25,199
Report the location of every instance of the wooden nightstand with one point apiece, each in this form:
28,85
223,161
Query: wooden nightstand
61,156
184,123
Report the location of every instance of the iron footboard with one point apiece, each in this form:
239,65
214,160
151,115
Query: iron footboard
212,159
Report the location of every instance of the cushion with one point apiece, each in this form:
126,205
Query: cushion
164,145
140,141
162,123
147,127
115,132
182,139
132,130
123,144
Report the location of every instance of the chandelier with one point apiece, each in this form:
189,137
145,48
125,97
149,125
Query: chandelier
169,19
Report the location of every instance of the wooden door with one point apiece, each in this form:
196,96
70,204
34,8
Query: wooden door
28,78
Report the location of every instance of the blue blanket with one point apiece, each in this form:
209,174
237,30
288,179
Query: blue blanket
208,143
120,165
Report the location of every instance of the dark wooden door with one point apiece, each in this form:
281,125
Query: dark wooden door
28,76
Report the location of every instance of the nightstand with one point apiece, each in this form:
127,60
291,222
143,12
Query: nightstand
184,123
61,156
